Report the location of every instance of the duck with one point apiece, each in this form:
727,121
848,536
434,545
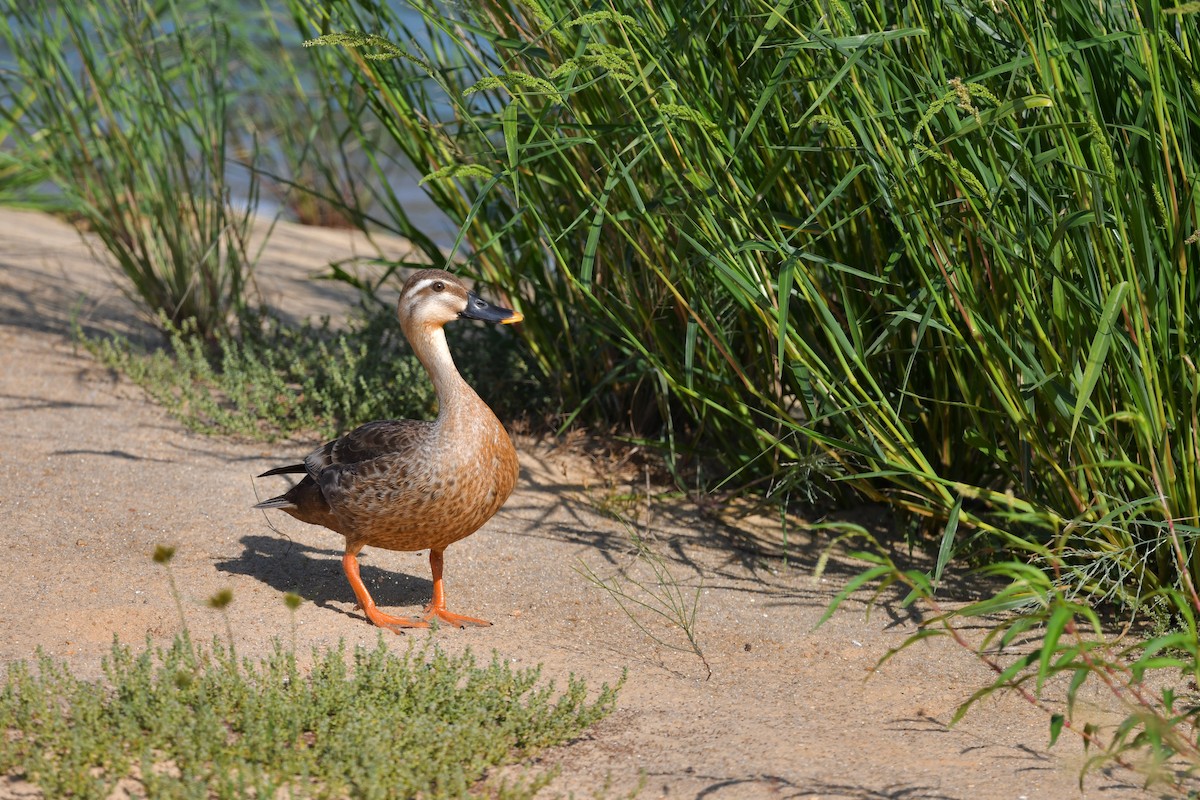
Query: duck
413,485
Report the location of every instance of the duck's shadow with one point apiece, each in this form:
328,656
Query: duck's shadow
316,574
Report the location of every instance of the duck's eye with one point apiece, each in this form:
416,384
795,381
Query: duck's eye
438,286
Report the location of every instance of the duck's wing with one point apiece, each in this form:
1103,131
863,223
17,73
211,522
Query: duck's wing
377,477
393,437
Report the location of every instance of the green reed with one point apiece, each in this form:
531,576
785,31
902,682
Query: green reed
945,248
127,108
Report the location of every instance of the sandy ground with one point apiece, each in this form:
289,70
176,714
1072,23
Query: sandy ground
95,476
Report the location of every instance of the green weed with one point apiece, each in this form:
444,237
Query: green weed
277,380
650,602
1044,647
185,721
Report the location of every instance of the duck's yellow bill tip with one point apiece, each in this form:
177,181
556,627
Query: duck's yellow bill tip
516,317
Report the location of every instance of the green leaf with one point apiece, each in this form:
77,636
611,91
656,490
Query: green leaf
1008,598
508,122
599,213
1003,680
1077,680
689,353
778,15
783,298
947,545
851,586
1089,732
1101,343
1056,726
920,636
1059,618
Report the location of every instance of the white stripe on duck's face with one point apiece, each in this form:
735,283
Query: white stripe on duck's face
431,297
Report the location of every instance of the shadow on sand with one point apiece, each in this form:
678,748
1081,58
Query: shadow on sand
316,574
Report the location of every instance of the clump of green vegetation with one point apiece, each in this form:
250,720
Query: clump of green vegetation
1046,651
277,380
186,721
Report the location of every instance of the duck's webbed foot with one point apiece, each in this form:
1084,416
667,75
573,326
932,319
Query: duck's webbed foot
450,618
437,608
394,624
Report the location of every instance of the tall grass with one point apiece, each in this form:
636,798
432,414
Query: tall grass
311,162
18,181
944,246
127,108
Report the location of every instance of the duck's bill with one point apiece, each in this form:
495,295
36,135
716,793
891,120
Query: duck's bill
478,308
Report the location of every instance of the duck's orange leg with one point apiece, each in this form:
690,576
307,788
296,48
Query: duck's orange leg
394,624
437,608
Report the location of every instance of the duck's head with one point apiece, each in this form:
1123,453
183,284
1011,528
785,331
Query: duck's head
432,297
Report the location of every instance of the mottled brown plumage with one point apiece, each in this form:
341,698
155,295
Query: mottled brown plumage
407,484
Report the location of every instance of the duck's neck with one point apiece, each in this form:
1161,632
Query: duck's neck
453,393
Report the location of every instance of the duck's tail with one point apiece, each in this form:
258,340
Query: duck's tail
283,501
289,469
303,501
